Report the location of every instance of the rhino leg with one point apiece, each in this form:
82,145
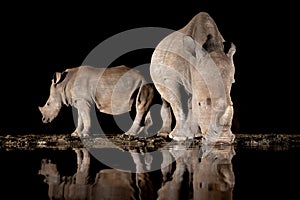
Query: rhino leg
136,127
143,103
166,116
170,91
84,110
79,126
192,118
148,122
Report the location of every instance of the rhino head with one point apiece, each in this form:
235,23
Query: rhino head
212,77
54,103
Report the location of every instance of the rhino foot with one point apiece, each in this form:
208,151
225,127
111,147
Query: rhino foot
85,135
181,134
162,134
130,133
198,135
127,137
134,131
75,134
181,138
178,138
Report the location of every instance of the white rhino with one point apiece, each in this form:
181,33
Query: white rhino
191,62
113,91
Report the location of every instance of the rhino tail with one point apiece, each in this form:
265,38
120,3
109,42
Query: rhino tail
136,94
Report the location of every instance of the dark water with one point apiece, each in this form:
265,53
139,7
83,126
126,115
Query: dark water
224,172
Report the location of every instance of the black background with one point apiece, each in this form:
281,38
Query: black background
38,40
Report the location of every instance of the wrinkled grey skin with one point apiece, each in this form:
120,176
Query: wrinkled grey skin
192,72
110,89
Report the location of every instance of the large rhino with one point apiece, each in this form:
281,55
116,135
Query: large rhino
192,72
113,91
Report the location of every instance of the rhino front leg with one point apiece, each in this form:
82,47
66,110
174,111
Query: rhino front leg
170,91
79,127
192,118
84,110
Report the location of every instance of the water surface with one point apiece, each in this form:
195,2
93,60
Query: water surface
177,171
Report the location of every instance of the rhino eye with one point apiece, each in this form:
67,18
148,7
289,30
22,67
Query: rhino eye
48,104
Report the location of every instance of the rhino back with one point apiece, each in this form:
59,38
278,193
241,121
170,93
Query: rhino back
115,89
111,89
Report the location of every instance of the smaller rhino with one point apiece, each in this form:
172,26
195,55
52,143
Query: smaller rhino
113,91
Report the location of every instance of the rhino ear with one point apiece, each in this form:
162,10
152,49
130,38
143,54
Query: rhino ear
56,77
189,44
59,77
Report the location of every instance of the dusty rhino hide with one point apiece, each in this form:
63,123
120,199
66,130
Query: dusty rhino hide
112,90
192,72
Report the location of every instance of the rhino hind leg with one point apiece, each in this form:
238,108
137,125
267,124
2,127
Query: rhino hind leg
166,115
148,123
142,120
137,126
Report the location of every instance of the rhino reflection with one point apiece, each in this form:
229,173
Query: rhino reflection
142,177
205,174
214,177
112,184
68,187
172,189
108,183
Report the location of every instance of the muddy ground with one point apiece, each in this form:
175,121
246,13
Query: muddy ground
31,142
